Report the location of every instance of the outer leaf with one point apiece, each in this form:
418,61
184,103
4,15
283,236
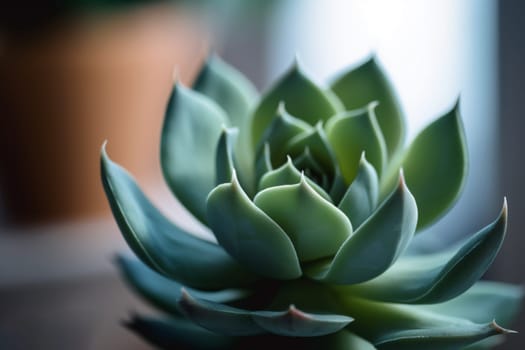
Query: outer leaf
368,83
175,333
443,338
352,133
376,245
391,326
360,200
288,174
439,277
283,128
483,302
236,95
303,99
233,321
438,156
224,160
295,323
218,318
162,245
192,127
228,88
315,226
250,235
163,292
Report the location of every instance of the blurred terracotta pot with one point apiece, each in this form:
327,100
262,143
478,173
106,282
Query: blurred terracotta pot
90,79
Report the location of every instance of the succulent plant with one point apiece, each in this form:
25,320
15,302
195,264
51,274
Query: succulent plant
314,203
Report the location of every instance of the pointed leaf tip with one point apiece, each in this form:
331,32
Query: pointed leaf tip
190,134
296,323
367,82
304,100
161,244
500,329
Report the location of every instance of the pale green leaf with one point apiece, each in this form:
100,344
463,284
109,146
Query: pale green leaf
350,134
161,244
436,165
360,200
228,87
303,99
376,244
250,235
192,127
316,227
366,83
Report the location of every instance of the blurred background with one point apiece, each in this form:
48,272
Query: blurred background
76,73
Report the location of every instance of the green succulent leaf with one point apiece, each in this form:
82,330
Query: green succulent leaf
218,318
376,244
316,227
442,276
164,292
162,245
295,323
177,333
224,160
303,99
283,128
442,338
316,141
316,245
366,83
250,235
360,200
436,165
229,88
396,326
483,302
287,174
350,134
191,130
